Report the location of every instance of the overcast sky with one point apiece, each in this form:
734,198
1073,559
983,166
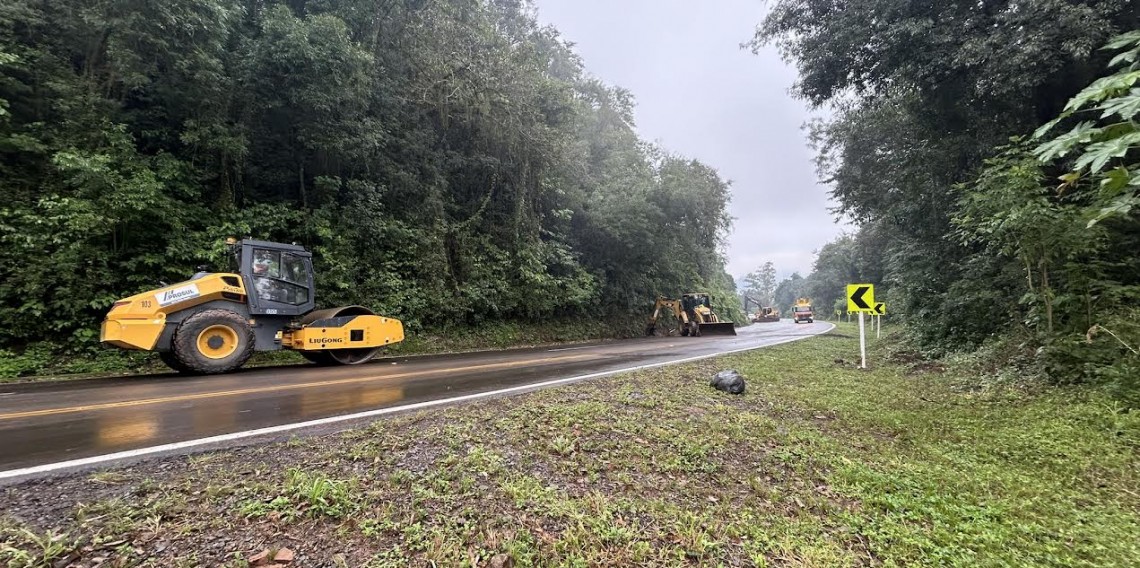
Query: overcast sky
700,95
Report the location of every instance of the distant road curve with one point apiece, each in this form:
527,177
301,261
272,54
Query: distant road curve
58,426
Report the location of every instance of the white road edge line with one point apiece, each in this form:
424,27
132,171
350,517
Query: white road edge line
368,414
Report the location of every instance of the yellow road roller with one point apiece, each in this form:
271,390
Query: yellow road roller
214,322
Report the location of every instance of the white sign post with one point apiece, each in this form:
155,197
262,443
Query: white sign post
862,344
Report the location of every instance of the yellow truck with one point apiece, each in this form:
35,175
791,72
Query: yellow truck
802,311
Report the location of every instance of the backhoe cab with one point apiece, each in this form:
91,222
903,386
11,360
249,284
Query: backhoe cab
694,315
214,322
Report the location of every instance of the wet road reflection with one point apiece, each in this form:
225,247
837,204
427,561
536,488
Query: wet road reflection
46,423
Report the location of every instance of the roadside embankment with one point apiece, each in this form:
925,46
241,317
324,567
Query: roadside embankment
49,362
818,463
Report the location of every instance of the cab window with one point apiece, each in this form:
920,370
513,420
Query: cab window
294,269
280,277
267,263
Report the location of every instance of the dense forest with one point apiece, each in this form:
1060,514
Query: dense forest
988,152
449,162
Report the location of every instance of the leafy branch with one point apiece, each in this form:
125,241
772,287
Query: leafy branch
1102,151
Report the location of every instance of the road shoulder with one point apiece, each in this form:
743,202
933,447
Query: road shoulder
817,461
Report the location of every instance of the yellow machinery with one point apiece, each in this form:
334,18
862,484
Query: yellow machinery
214,322
766,315
694,316
763,314
802,311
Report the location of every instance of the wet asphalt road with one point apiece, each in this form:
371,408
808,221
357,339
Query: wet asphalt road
50,422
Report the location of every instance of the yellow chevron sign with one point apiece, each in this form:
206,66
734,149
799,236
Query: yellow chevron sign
861,298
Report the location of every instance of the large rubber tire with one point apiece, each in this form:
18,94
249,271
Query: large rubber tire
198,335
171,361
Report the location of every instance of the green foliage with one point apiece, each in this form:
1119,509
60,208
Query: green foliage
1116,189
959,226
1009,214
46,358
305,494
788,291
760,284
22,548
849,259
449,163
321,496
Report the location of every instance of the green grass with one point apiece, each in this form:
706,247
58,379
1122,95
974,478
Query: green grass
22,548
817,464
306,494
952,477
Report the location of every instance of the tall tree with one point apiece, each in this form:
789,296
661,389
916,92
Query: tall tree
957,212
449,162
922,94
788,291
760,284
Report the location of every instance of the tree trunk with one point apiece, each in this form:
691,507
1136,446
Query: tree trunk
226,199
301,182
1048,295
1029,273
1088,307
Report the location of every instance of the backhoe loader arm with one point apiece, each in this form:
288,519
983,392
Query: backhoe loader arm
665,304
749,300
671,305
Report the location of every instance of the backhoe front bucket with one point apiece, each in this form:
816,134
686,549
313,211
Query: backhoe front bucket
720,328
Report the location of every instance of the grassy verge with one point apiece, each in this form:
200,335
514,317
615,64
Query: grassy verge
51,362
817,464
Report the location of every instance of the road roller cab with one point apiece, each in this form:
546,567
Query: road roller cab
214,322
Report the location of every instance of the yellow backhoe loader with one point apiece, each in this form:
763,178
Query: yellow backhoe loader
694,315
766,315
214,322
763,314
